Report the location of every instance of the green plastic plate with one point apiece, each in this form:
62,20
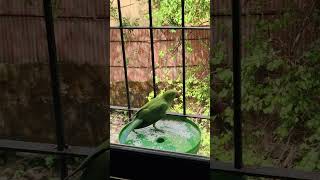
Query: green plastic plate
179,135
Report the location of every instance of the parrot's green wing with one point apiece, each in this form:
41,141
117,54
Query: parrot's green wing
156,105
135,123
100,151
153,113
145,117
145,106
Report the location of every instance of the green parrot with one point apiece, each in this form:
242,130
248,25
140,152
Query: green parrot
95,166
150,113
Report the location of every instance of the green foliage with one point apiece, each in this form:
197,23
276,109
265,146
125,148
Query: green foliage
279,86
204,149
285,91
49,161
113,11
222,149
288,89
310,161
126,21
168,12
19,173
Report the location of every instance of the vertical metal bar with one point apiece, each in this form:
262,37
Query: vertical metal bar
55,85
183,58
152,50
237,134
212,99
124,58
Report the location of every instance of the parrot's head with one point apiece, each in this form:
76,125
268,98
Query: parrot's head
170,95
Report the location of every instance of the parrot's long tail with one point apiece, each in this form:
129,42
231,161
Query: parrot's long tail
127,131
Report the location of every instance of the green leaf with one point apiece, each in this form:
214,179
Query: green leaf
224,74
161,54
189,49
273,65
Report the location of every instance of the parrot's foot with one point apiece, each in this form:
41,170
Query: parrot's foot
160,130
157,129
135,131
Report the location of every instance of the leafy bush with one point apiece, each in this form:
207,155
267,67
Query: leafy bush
168,12
280,87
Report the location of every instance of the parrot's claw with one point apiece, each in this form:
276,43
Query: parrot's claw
160,130
157,129
135,131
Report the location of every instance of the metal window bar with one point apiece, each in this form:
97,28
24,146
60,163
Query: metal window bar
236,48
183,57
124,108
236,55
55,84
124,58
163,27
220,14
152,50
